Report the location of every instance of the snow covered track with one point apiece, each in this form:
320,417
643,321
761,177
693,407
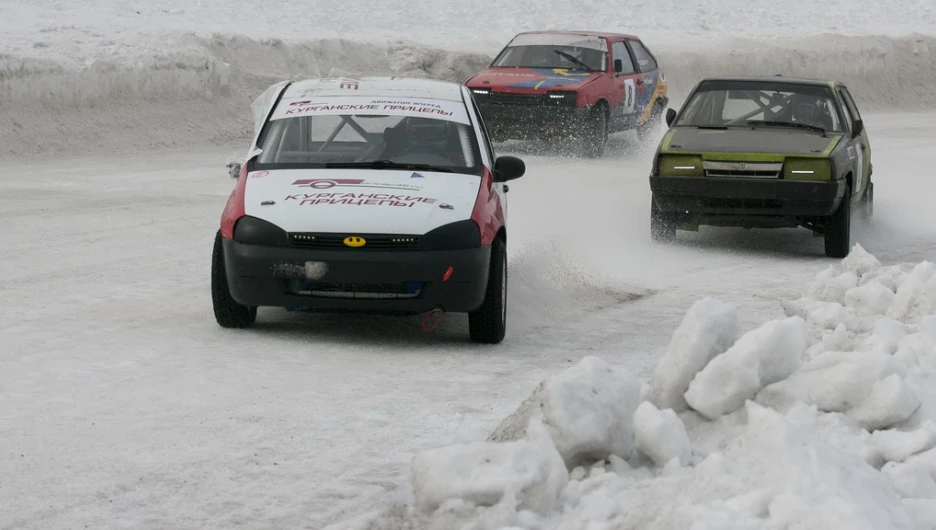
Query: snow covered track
125,405
177,89
820,419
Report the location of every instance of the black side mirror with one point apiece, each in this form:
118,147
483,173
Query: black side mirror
857,128
670,117
508,168
618,66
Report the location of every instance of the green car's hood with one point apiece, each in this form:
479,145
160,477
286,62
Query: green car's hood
767,141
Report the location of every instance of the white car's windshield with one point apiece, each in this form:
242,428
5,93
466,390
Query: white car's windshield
316,134
762,103
572,52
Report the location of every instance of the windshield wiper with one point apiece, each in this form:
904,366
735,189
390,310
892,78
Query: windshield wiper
386,164
574,59
752,123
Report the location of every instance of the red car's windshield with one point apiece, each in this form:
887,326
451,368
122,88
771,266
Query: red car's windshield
574,52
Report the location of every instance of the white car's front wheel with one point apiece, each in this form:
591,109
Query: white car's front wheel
488,324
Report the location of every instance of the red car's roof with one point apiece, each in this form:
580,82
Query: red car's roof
586,33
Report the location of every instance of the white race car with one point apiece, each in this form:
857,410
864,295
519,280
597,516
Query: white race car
371,194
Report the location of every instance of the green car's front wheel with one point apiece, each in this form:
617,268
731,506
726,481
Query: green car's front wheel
867,203
837,229
662,225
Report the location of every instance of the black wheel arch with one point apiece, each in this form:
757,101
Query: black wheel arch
603,104
501,234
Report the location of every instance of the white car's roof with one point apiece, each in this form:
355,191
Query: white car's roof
375,87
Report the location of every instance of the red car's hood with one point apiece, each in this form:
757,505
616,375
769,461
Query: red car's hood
539,79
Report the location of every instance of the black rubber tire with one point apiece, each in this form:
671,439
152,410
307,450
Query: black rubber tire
645,131
867,203
662,225
488,323
595,133
227,312
837,229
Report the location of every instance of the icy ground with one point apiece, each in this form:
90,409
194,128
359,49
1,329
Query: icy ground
125,405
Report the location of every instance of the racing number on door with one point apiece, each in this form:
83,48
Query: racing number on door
630,96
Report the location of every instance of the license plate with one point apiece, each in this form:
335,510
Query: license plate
315,270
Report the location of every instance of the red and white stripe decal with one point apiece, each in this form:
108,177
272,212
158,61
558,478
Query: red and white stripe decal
234,209
488,213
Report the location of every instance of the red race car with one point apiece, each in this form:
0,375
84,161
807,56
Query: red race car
577,84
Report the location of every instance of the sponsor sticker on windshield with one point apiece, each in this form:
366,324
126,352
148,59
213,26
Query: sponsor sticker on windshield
396,106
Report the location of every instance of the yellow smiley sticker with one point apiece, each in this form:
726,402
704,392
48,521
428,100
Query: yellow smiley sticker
354,241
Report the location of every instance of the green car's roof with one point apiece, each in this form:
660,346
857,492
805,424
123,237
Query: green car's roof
773,79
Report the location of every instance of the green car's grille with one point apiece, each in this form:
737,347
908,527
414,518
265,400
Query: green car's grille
760,170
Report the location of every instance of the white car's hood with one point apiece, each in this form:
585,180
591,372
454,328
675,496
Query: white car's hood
360,200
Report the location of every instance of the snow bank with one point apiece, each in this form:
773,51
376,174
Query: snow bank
709,328
174,90
428,21
139,90
588,410
780,431
881,72
761,357
661,435
528,472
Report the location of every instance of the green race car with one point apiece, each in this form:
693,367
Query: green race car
763,152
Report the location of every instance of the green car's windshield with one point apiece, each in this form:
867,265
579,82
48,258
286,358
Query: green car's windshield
807,107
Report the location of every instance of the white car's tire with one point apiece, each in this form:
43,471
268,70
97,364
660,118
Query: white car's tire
228,313
488,324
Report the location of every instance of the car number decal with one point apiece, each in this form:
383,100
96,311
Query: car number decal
630,89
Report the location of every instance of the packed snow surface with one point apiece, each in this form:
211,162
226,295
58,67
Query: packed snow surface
853,448
125,405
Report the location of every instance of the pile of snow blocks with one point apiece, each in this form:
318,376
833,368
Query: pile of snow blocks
824,418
